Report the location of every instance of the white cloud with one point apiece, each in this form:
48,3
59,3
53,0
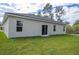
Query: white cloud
72,14
1,19
27,6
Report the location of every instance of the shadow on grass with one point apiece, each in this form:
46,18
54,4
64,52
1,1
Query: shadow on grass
34,37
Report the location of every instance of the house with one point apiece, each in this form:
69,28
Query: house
0,26
24,25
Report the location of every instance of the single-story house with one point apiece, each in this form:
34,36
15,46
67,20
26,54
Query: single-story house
24,25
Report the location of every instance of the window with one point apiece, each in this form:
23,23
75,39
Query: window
19,23
63,28
54,28
19,29
19,26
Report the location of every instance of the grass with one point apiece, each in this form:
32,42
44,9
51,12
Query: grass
51,45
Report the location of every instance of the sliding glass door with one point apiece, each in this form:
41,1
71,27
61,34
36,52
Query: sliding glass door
44,29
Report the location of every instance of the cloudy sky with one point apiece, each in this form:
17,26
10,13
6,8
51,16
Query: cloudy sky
31,6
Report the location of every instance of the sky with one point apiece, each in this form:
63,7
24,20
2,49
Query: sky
31,6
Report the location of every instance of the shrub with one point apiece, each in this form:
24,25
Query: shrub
69,29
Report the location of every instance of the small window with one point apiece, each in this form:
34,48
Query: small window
63,28
19,26
19,29
19,23
54,28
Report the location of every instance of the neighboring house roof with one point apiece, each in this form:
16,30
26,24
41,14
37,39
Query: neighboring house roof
32,17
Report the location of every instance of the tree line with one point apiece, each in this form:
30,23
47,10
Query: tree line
59,12
48,8
74,28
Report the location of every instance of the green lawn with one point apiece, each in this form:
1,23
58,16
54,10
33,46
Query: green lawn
55,45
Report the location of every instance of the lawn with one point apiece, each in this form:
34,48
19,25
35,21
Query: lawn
51,45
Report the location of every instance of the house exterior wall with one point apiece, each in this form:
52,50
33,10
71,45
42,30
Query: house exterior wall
6,28
31,28
59,29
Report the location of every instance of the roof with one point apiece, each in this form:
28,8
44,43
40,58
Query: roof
35,18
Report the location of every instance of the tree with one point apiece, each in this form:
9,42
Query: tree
39,12
48,9
59,12
76,23
69,29
76,26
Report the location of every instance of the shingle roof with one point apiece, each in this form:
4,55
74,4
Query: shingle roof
36,18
